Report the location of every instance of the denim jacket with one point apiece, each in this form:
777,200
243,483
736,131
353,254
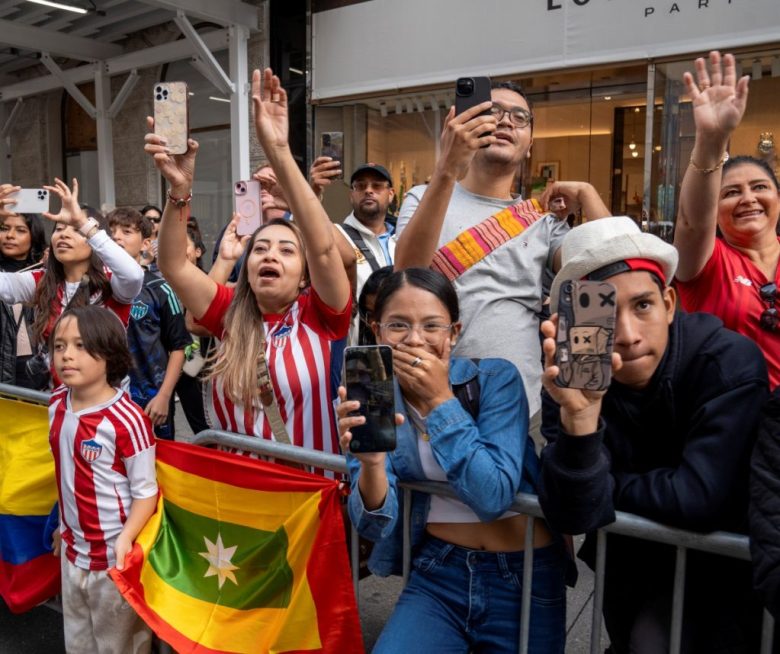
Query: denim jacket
484,462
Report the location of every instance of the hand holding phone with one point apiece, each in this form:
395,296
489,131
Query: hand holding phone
30,200
332,145
471,91
368,372
585,335
171,115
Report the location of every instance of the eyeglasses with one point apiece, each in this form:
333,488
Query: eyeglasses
520,117
431,331
154,219
770,318
361,187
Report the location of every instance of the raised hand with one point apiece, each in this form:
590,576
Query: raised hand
70,213
5,201
178,169
269,101
232,246
322,173
463,135
719,99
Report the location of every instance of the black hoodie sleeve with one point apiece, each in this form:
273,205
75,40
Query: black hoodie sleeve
765,506
575,487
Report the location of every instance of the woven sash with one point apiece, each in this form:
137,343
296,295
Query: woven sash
474,244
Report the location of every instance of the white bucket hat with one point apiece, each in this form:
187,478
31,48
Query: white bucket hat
598,243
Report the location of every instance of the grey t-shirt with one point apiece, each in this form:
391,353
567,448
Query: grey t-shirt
501,295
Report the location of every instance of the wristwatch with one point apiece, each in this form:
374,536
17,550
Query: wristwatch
89,228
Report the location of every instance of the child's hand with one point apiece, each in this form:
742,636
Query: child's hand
157,409
56,541
121,549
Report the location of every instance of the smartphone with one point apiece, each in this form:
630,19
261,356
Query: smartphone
171,114
248,205
30,200
471,91
368,372
585,338
332,145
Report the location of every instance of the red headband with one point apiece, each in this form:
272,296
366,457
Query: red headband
628,265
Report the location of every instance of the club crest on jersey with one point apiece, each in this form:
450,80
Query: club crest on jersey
281,336
139,310
90,450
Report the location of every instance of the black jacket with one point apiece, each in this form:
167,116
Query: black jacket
765,506
676,452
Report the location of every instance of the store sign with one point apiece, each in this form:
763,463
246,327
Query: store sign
387,45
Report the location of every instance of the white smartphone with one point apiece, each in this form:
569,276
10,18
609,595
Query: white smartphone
246,195
171,114
30,200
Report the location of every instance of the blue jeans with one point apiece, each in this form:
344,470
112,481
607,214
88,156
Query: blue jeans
461,600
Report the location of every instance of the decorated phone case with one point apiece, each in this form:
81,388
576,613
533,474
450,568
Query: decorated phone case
586,328
246,197
170,114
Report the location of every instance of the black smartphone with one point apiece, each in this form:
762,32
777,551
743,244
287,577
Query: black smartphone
471,91
585,337
368,372
332,145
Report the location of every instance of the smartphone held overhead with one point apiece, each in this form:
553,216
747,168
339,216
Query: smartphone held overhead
368,374
30,200
248,205
585,337
171,114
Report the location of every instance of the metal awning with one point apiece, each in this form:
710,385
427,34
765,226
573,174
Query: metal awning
92,46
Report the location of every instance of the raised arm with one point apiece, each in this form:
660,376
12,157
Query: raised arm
461,137
719,102
191,284
326,270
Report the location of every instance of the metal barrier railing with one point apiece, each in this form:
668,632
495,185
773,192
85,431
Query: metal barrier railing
722,543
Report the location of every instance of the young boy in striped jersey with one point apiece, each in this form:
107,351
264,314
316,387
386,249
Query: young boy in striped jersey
156,333
103,448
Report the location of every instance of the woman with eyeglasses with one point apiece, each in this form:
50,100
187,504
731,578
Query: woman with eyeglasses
726,229
464,592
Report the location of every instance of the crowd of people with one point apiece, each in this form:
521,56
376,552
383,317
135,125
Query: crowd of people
464,288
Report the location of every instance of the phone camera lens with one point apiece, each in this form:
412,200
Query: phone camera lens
158,89
159,97
465,86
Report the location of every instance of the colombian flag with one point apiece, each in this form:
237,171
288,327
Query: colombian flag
242,556
29,574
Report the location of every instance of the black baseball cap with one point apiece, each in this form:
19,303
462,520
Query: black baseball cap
376,168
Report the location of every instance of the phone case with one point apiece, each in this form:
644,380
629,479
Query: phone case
248,205
30,200
332,145
480,92
171,118
586,328
368,375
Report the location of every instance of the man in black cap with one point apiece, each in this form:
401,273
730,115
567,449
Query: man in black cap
366,228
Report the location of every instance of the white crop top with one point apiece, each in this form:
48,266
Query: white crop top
442,509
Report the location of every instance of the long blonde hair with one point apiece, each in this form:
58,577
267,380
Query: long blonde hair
236,360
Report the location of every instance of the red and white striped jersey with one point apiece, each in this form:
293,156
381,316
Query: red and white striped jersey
298,351
104,459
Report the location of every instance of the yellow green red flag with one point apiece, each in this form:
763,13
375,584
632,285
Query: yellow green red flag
242,556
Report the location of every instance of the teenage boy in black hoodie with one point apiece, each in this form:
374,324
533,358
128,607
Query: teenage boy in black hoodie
669,440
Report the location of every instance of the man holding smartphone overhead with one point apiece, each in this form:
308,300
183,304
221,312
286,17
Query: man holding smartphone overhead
670,440
469,201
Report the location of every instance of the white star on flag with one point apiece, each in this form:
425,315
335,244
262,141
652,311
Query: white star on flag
219,557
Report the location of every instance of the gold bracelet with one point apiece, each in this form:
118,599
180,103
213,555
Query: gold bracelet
707,171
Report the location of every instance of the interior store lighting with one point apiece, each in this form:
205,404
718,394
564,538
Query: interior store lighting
59,5
216,99
297,71
634,154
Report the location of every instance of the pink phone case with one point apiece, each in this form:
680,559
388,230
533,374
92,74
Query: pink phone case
246,196
171,119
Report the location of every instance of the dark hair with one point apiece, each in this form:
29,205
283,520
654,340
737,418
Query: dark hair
46,301
37,236
746,160
370,287
103,336
424,278
194,235
515,87
150,206
129,217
